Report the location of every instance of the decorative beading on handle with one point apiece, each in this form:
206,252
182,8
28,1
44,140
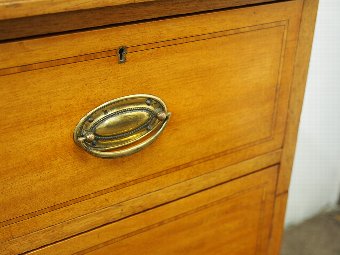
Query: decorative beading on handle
122,126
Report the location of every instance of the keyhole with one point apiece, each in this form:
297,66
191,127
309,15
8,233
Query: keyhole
122,51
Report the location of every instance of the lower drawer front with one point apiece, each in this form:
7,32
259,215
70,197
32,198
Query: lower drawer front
232,218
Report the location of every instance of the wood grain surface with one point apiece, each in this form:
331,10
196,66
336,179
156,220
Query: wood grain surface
85,45
306,34
232,218
117,14
131,205
10,9
277,228
234,80
226,78
301,65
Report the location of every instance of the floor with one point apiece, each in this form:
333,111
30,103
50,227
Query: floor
317,236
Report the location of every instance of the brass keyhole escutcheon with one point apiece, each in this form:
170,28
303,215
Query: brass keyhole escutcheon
121,53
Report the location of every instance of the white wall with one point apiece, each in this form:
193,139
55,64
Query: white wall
315,181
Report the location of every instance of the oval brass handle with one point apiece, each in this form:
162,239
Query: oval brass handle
122,126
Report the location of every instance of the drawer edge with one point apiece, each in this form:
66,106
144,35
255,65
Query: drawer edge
34,18
135,205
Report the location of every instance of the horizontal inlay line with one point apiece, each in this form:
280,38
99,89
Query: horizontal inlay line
128,184
173,219
135,48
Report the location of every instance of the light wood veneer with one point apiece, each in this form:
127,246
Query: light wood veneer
214,182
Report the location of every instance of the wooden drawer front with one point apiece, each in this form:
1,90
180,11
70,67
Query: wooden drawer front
232,218
224,76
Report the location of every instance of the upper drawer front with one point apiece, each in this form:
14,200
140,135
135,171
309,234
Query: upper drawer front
224,76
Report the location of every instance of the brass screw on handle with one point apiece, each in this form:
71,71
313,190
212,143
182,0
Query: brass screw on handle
89,137
161,115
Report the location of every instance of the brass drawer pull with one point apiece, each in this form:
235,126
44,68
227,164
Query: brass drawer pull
114,128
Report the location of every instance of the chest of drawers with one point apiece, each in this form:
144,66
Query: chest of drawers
214,180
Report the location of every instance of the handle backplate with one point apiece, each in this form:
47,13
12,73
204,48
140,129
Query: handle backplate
122,126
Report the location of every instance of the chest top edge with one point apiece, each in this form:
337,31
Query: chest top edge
35,18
